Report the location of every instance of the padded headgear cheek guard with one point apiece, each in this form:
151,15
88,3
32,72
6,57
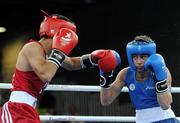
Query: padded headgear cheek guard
136,47
50,25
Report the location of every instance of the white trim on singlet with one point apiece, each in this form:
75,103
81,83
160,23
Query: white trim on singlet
23,97
153,114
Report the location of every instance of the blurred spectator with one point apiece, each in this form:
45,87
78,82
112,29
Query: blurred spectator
47,106
72,110
4,96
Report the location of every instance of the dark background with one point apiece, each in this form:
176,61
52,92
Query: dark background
100,24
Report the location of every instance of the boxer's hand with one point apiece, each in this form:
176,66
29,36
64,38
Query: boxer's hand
91,60
107,61
63,43
157,64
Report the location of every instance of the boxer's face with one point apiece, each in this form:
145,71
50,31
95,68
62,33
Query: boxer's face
139,60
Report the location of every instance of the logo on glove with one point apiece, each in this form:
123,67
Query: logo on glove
58,56
66,38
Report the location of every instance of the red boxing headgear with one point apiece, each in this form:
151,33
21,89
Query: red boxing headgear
51,24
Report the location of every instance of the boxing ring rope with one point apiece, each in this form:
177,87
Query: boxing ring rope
88,118
54,87
83,88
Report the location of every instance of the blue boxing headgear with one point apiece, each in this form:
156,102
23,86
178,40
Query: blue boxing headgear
139,47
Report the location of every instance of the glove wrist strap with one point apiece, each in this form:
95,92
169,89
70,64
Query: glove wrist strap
87,62
57,57
161,86
106,79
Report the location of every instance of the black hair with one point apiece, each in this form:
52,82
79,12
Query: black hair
63,18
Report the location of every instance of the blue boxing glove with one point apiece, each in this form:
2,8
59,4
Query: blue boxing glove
156,64
108,60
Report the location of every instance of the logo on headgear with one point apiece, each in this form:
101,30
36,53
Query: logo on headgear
139,48
52,31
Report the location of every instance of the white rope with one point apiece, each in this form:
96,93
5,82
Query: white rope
54,87
88,118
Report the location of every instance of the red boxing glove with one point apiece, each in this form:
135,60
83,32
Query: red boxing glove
63,43
65,40
107,60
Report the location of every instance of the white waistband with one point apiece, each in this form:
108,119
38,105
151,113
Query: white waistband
153,114
23,97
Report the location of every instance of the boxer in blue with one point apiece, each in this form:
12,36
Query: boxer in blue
148,80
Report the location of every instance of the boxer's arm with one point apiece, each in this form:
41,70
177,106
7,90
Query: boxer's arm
72,63
63,43
35,56
85,61
107,61
108,95
162,79
165,99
